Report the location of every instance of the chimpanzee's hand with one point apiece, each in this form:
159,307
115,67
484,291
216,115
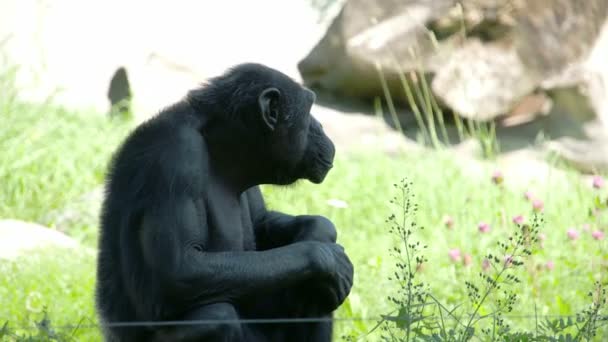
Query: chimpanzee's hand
332,276
315,228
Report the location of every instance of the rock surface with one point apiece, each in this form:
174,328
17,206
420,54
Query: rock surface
366,34
483,80
509,49
18,237
357,131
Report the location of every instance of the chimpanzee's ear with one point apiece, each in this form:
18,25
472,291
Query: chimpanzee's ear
269,107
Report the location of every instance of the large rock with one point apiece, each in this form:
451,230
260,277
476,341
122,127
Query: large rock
551,35
510,49
356,131
483,80
595,85
586,98
389,34
19,237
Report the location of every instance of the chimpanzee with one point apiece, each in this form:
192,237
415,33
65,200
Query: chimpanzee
185,234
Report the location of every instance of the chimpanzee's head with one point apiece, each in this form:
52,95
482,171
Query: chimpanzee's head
263,117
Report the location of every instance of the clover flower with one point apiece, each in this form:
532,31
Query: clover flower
454,254
497,177
483,227
573,234
598,235
519,219
597,182
538,205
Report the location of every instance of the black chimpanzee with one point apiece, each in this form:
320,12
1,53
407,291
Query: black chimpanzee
185,234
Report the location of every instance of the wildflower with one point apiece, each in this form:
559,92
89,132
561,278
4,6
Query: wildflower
538,205
483,227
598,235
573,234
497,177
528,195
337,203
454,254
541,239
467,260
485,264
508,260
518,219
597,182
550,265
448,221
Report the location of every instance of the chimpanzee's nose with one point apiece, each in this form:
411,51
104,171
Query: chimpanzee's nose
310,94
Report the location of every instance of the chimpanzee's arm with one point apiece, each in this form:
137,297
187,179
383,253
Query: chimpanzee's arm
275,229
174,248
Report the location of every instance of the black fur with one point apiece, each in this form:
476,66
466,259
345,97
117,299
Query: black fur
185,234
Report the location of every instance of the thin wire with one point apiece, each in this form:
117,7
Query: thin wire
258,321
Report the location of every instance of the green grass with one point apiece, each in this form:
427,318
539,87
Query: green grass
59,282
51,156
365,183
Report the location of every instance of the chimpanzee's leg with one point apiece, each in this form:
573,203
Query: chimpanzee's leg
226,329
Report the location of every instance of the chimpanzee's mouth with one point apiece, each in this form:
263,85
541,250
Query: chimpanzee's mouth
326,163
318,174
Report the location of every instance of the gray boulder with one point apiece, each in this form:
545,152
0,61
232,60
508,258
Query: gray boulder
510,49
367,35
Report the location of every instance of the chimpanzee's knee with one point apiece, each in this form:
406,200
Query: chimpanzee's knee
213,322
228,326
